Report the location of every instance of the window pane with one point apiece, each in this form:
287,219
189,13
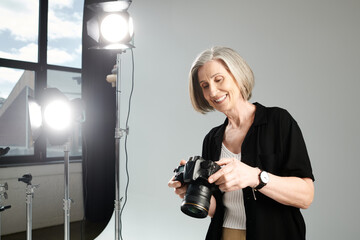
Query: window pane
15,131
19,29
65,33
68,83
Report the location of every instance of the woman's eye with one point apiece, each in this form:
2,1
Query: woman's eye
218,79
205,86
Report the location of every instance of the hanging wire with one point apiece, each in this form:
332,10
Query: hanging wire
126,138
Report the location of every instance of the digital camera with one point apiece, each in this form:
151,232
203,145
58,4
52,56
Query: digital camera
196,172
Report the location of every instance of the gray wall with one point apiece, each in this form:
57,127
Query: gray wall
305,56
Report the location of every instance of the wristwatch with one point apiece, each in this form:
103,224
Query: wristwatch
264,179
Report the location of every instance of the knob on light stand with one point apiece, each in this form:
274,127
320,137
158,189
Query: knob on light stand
29,196
3,195
4,151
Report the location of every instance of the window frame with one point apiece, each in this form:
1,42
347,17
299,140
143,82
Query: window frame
40,68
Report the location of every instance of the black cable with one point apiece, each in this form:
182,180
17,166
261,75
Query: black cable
126,136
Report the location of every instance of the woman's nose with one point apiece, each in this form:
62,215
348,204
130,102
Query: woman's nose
213,90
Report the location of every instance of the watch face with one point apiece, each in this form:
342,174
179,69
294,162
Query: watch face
264,177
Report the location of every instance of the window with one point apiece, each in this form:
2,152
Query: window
16,85
40,47
64,32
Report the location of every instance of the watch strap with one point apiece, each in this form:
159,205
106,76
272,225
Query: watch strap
261,183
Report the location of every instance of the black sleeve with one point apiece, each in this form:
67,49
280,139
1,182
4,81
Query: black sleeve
205,152
295,155
209,153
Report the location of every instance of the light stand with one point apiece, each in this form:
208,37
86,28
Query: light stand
3,195
118,135
56,117
29,197
67,200
115,34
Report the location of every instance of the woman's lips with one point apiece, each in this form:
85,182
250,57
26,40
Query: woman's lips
221,99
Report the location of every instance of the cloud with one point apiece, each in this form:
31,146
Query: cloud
19,21
27,53
58,56
12,75
61,4
8,79
20,18
62,23
64,26
78,50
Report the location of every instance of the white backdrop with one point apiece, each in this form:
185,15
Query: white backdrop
305,57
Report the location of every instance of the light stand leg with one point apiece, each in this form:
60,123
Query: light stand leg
2,208
29,197
2,192
118,134
3,195
67,200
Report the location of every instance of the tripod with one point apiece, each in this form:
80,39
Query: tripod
29,197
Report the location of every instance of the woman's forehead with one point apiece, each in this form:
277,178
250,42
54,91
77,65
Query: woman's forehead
211,68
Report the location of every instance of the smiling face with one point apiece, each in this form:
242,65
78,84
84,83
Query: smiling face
219,87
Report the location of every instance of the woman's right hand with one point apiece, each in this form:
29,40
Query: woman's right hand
179,189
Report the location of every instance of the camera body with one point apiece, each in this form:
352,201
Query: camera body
196,172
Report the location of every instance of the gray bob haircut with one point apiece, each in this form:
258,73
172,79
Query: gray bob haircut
235,65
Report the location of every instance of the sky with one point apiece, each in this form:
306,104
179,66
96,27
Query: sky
19,35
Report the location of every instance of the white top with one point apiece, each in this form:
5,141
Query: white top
233,201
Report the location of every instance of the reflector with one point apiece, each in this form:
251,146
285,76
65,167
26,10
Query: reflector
56,116
111,27
35,114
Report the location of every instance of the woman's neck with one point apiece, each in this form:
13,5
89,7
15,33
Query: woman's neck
242,114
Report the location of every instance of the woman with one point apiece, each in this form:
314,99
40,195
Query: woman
266,175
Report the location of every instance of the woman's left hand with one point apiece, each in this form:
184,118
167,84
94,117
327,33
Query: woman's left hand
291,191
234,175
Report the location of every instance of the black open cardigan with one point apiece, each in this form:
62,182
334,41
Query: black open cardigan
274,143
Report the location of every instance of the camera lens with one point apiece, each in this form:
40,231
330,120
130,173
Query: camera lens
194,210
197,200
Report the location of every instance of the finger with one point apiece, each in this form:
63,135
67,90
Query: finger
174,184
226,178
229,187
171,181
220,181
225,188
180,190
224,161
213,178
